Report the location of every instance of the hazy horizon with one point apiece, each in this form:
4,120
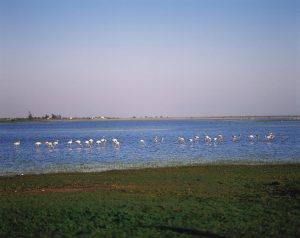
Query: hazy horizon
149,58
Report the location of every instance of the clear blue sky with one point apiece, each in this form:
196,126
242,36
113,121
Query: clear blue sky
137,58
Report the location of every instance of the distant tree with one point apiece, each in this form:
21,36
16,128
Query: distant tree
53,116
30,116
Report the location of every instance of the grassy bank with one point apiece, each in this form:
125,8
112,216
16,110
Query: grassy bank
197,201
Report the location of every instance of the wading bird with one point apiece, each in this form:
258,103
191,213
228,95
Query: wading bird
55,143
70,142
180,140
88,143
78,142
115,142
220,138
49,144
103,141
270,136
207,139
37,144
17,143
234,138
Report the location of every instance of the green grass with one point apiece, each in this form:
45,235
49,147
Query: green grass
196,201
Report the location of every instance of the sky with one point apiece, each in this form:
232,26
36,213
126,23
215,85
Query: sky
149,57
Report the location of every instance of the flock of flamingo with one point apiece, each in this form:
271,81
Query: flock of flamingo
180,140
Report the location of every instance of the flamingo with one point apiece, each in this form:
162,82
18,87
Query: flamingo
115,142
103,141
50,145
142,142
55,143
155,139
37,144
180,140
98,142
88,143
191,141
17,143
196,138
220,138
234,138
270,136
207,139
78,142
70,142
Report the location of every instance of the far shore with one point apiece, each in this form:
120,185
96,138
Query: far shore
263,118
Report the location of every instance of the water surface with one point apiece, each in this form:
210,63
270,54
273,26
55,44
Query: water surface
26,158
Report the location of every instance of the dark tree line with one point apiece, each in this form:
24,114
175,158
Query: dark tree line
52,116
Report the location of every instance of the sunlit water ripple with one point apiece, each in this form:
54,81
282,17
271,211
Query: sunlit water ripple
26,158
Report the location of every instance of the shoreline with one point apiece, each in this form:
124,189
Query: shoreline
157,168
263,118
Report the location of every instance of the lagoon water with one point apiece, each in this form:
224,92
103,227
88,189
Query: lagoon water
27,159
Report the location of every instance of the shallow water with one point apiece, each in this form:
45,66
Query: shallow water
26,158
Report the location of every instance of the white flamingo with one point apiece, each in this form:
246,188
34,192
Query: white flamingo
207,139
38,143
234,138
115,142
50,145
78,142
103,141
180,140
270,136
55,143
70,142
220,138
17,143
88,143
